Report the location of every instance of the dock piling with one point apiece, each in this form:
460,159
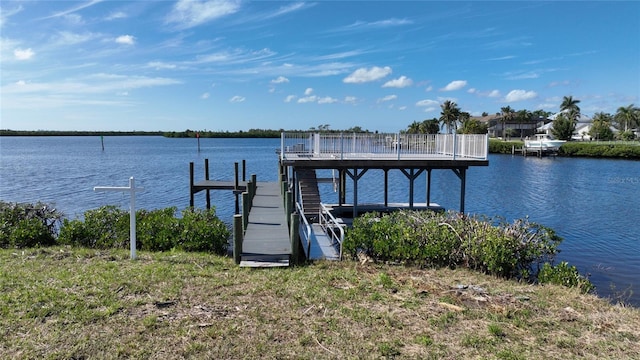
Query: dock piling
295,237
237,238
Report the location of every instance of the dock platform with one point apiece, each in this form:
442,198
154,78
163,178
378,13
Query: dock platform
266,239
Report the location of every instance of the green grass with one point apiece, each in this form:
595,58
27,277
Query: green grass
62,303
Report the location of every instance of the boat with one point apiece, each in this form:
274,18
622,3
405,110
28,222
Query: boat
543,142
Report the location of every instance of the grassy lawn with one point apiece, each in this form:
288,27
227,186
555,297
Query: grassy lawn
73,303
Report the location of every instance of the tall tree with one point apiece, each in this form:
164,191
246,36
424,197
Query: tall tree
601,127
449,115
507,114
523,116
570,106
627,117
563,127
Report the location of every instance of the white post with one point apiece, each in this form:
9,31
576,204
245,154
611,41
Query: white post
132,210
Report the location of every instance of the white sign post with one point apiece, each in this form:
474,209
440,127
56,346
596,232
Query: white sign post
132,209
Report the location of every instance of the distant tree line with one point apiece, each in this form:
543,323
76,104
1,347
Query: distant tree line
254,133
6,132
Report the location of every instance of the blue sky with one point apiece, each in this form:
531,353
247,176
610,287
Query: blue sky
235,65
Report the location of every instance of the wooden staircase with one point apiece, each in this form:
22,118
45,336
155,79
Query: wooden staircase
309,193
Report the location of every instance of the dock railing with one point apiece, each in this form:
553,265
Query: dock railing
305,231
332,227
344,146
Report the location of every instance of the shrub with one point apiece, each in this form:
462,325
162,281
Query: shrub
157,230
202,230
451,239
564,274
103,228
503,147
28,225
587,149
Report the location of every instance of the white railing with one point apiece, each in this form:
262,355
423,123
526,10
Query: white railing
331,227
344,146
305,231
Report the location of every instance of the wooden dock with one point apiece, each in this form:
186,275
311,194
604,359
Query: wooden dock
266,241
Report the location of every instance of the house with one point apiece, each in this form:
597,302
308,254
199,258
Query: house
512,128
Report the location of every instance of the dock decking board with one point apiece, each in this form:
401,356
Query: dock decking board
266,239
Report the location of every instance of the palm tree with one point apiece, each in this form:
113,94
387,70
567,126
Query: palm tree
449,115
628,116
570,105
507,115
601,127
523,116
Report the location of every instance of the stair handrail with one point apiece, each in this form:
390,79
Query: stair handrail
327,220
306,229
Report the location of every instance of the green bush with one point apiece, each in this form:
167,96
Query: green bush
587,149
157,230
503,147
28,225
103,228
202,230
451,239
564,274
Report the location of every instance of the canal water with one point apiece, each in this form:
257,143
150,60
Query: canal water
594,204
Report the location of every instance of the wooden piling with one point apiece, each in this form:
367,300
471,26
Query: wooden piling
206,177
295,237
191,183
245,210
238,234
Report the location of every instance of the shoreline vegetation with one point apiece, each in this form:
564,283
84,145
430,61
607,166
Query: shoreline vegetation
81,296
67,302
629,150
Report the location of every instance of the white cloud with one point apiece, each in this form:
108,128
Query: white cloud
23,54
364,75
308,91
159,65
126,39
350,99
205,96
494,94
307,99
455,85
116,15
290,98
472,91
327,100
387,98
429,88
400,82
66,38
280,80
5,14
237,99
21,82
519,95
427,102
190,13
401,108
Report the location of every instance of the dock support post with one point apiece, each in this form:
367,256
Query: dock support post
254,186
245,210
386,187
463,180
237,238
428,187
244,170
288,206
191,184
206,177
294,233
235,188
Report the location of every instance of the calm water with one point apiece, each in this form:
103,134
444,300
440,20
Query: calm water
593,204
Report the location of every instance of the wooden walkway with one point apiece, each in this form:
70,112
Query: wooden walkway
266,239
